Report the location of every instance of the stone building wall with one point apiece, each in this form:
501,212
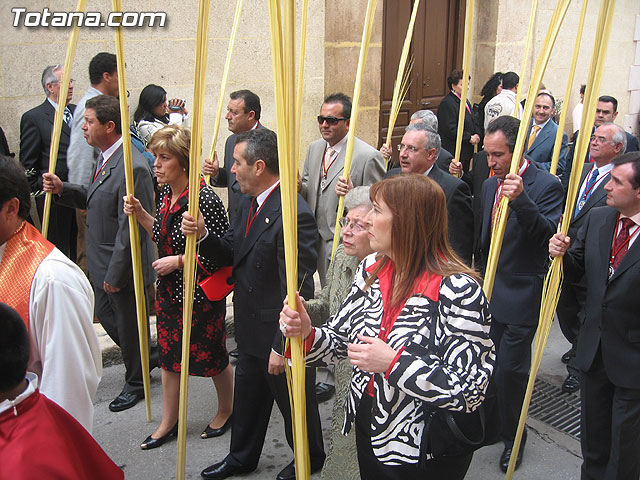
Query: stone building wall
502,29
160,55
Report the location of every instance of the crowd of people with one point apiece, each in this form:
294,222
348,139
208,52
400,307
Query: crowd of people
414,343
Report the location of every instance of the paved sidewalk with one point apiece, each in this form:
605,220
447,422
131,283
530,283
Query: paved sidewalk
550,454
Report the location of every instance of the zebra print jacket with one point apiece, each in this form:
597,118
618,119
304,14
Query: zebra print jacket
454,375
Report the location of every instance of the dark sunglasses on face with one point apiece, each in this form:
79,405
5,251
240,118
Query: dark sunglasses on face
329,120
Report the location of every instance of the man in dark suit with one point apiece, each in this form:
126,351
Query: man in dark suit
607,253
428,118
608,142
243,114
606,112
108,248
535,203
254,245
541,137
448,121
418,153
36,126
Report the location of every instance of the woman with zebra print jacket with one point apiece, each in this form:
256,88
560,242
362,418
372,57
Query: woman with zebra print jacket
383,327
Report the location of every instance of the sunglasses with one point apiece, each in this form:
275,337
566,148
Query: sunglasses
329,120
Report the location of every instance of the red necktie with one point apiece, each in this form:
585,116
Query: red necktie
621,243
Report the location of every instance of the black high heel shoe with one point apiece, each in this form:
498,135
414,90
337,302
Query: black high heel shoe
151,442
216,432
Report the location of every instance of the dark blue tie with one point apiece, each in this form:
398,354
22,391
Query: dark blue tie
588,189
67,116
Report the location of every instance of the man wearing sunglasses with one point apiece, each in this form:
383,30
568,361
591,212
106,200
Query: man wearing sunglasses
324,164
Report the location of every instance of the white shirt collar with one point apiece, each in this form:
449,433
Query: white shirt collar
263,196
32,385
543,124
106,155
338,146
429,170
55,105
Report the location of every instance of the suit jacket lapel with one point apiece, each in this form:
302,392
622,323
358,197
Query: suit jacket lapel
265,219
106,171
541,137
315,166
488,199
50,113
633,254
336,167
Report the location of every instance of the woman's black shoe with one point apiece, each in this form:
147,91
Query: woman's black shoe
216,432
151,442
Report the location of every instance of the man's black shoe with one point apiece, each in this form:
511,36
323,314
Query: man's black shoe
568,355
324,391
125,401
223,469
571,384
506,454
289,472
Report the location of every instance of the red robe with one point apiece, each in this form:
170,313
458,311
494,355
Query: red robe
44,441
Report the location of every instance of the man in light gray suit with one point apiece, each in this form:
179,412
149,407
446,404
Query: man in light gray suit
108,248
325,163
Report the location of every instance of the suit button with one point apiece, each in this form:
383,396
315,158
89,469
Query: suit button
604,306
250,289
257,264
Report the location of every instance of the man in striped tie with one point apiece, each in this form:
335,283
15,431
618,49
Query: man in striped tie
606,251
36,127
608,141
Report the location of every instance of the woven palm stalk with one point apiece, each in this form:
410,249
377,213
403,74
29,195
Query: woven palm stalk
189,273
466,67
223,82
572,70
501,217
553,281
134,232
351,136
401,85
525,55
300,85
282,16
59,115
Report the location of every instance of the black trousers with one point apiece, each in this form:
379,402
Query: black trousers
117,314
63,230
254,392
511,373
610,427
570,304
449,468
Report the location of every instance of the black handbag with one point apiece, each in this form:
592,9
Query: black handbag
448,433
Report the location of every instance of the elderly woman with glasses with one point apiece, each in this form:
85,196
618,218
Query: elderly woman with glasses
415,327
341,457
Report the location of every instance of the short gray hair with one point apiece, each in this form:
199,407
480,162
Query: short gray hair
49,76
620,135
433,139
427,117
356,197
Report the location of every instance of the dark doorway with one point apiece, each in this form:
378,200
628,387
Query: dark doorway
436,48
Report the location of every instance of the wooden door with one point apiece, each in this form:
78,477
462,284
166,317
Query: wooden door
436,49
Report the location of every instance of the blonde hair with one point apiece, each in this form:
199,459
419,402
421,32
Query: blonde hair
175,140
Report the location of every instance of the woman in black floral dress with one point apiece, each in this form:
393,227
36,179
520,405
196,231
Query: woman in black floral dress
209,357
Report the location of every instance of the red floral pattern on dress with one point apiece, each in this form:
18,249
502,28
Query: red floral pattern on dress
208,352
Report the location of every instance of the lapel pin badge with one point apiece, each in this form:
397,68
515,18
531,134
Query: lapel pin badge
266,220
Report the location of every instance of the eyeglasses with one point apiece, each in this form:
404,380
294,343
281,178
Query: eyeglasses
329,120
352,224
411,148
600,140
71,82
